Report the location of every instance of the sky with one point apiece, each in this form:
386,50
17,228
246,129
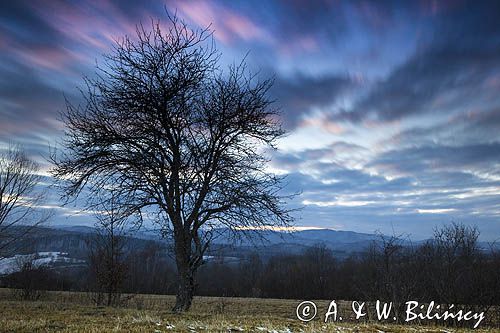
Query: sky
392,107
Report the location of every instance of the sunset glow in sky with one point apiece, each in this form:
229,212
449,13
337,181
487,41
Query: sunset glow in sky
392,107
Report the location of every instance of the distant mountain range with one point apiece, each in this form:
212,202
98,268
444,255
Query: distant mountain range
72,240
67,245
71,243
68,239
345,242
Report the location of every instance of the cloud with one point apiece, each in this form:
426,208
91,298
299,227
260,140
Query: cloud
452,71
301,94
19,24
416,188
435,81
228,25
28,103
472,127
438,157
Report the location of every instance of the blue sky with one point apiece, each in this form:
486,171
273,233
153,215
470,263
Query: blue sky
392,107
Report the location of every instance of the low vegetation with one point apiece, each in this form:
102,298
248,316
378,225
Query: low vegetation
75,312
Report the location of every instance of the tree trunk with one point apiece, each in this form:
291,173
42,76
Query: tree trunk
185,272
185,291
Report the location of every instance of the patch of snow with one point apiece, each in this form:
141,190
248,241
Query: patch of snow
14,264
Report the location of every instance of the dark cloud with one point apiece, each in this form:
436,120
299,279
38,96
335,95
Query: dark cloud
320,19
21,24
28,103
22,83
435,81
448,73
439,157
298,95
474,127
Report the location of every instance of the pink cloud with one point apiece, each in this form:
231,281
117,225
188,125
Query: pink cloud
243,27
325,124
299,45
94,27
493,81
49,58
228,25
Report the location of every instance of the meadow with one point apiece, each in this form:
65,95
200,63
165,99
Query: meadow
74,312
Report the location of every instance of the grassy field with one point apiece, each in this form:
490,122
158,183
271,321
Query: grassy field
74,312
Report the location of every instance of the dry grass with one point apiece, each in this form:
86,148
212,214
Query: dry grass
74,312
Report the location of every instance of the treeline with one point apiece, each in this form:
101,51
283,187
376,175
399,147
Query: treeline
449,269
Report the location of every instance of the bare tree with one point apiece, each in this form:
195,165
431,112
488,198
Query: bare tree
392,260
174,135
455,258
19,197
107,263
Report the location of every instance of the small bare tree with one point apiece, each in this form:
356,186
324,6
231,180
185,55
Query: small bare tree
174,135
19,197
107,263
393,260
